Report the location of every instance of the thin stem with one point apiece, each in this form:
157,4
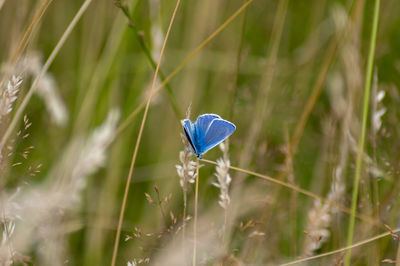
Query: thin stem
360,151
361,243
159,201
46,66
8,237
225,226
146,50
196,200
184,214
122,212
327,62
300,190
398,255
180,67
28,33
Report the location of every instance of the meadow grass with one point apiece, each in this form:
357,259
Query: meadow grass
92,166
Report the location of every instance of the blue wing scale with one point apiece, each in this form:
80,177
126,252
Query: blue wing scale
217,132
203,123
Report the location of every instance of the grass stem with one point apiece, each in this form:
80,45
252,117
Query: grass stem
121,215
337,251
147,52
132,115
300,190
46,66
196,200
360,151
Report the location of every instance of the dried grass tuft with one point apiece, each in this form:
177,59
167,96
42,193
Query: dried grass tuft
8,95
223,177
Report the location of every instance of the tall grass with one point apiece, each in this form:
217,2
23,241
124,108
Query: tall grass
361,143
92,166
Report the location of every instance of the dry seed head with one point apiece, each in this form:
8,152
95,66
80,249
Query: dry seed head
47,87
186,171
9,95
377,115
319,219
223,177
42,208
93,153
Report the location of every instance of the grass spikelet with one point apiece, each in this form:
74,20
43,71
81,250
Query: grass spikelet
223,177
186,173
314,172
317,231
9,95
320,216
8,218
223,181
44,208
93,152
378,109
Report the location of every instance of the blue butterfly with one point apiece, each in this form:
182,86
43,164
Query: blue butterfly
208,131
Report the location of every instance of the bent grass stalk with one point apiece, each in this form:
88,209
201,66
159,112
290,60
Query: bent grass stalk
27,35
132,115
146,50
337,251
46,66
328,60
300,190
360,151
121,215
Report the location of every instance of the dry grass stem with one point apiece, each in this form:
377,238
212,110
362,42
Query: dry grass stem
320,216
46,66
92,94
121,216
196,202
341,250
133,114
187,175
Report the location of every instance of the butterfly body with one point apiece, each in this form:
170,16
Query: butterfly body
208,131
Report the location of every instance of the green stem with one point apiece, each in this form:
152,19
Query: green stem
360,151
146,50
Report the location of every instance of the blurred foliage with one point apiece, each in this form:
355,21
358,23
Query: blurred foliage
102,66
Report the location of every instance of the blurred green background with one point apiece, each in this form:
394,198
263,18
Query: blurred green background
259,73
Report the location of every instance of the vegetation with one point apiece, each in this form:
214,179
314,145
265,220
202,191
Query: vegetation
95,168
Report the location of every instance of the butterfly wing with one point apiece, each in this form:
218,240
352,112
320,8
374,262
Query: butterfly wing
189,129
217,132
203,123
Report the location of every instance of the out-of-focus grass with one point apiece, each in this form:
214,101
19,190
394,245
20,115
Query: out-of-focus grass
102,65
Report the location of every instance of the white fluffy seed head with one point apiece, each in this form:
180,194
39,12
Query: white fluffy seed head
186,171
8,95
223,177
